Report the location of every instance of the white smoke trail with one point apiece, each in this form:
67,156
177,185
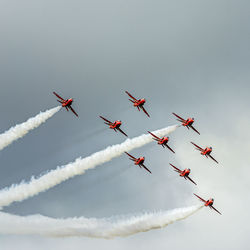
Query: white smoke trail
22,191
91,227
22,129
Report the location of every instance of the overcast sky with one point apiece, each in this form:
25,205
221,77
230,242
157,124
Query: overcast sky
191,57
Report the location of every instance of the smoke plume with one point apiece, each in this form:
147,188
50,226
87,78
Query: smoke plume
22,129
91,227
24,190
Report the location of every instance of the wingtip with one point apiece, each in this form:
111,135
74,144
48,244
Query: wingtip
149,170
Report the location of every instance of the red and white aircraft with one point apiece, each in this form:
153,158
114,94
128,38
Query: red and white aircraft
138,161
162,141
66,103
208,203
114,125
207,151
186,123
183,173
138,103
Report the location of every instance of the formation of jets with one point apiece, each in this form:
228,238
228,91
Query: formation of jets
139,104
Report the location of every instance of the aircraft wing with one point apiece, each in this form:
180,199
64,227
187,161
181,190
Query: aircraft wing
130,155
181,119
194,129
154,135
73,111
146,168
169,148
215,209
106,120
58,96
121,131
176,169
199,148
145,111
200,198
191,180
213,158
130,95
132,101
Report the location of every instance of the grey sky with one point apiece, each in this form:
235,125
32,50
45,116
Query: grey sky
190,57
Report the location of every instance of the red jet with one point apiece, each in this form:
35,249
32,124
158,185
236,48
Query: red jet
208,203
66,103
138,103
138,161
183,173
114,125
162,141
187,123
207,151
